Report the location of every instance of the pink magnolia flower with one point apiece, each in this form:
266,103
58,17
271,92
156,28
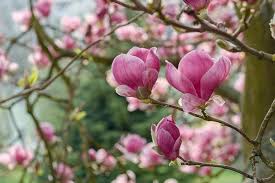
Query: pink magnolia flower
101,8
43,7
105,160
136,72
48,131
197,4
205,171
92,154
67,42
132,33
23,18
197,77
39,58
166,136
70,24
6,67
16,155
128,177
133,143
64,173
149,158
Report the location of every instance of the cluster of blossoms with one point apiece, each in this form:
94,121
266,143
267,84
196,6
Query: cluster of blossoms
64,173
16,155
102,160
197,76
204,144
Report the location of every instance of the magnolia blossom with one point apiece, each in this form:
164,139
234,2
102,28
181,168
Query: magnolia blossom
128,177
149,158
166,136
6,67
197,77
39,58
16,155
132,33
92,154
64,173
43,7
106,161
136,72
70,24
48,131
67,42
133,143
197,4
23,18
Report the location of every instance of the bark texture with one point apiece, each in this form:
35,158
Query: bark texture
260,85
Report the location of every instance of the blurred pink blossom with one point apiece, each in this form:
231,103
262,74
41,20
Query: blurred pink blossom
64,173
43,7
23,18
149,158
48,131
70,24
39,58
16,155
128,177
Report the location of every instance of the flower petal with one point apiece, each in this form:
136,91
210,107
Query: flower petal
127,70
149,78
125,91
214,77
152,60
178,81
190,102
165,142
194,65
149,56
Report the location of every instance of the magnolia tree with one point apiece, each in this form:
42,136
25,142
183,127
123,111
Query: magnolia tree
196,58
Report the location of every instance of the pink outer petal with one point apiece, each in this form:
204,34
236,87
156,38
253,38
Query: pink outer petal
152,60
178,81
149,78
127,70
149,56
190,102
125,91
139,52
194,65
214,77
165,142
176,149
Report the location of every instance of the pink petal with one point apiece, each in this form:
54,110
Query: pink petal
178,81
149,56
194,65
190,102
139,52
127,70
214,77
165,142
152,60
149,78
125,91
